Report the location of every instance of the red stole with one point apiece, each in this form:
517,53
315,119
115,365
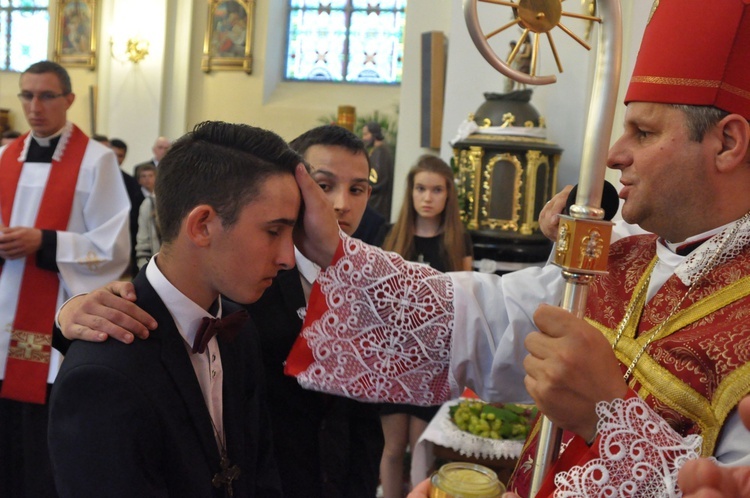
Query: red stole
30,346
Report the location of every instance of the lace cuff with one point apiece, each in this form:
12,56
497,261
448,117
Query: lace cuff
639,455
378,328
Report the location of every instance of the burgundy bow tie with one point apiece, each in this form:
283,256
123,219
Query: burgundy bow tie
227,328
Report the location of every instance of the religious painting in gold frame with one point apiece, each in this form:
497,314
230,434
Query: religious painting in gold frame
229,35
75,40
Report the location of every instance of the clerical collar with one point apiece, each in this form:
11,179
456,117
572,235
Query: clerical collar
306,268
50,140
688,268
691,243
42,150
53,145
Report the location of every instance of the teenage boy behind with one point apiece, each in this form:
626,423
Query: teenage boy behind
331,445
155,418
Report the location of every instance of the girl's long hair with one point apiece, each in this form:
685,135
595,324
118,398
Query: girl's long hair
401,237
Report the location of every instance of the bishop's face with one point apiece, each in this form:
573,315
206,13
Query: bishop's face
665,175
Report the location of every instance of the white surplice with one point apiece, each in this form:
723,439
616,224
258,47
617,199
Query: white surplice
94,250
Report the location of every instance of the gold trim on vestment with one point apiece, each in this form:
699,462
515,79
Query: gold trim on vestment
665,386
735,386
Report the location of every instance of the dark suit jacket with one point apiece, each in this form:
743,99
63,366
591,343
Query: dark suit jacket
130,420
135,194
326,446
372,228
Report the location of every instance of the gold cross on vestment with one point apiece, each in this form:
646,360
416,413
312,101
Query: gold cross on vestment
30,346
91,261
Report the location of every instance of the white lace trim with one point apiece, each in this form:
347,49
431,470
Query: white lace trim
699,259
59,150
386,335
640,455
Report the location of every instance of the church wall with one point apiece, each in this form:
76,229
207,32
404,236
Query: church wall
171,93
136,104
261,99
421,16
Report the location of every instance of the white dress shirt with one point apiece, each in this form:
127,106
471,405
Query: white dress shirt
187,316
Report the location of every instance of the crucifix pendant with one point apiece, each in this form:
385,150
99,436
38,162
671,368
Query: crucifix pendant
227,474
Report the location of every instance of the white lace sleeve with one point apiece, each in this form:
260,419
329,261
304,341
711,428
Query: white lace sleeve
386,332
640,455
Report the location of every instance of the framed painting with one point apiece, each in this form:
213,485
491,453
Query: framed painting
229,36
75,41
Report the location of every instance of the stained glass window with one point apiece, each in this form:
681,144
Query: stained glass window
24,27
353,41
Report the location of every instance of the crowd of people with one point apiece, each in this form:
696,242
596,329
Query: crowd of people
262,350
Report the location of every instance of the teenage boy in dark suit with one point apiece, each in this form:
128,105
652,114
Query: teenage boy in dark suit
169,416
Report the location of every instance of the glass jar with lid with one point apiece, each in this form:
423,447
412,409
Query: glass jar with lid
465,480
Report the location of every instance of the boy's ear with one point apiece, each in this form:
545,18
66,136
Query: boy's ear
199,224
735,132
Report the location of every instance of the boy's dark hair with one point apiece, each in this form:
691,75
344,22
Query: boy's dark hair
116,142
329,135
219,164
43,67
100,138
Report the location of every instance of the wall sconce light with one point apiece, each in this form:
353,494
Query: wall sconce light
136,50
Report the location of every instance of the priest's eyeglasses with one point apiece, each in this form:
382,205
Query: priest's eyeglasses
44,97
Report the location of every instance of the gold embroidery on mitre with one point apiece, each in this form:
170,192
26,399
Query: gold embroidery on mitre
373,175
30,346
663,80
736,90
91,261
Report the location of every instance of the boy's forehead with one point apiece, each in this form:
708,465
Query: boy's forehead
337,160
279,198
